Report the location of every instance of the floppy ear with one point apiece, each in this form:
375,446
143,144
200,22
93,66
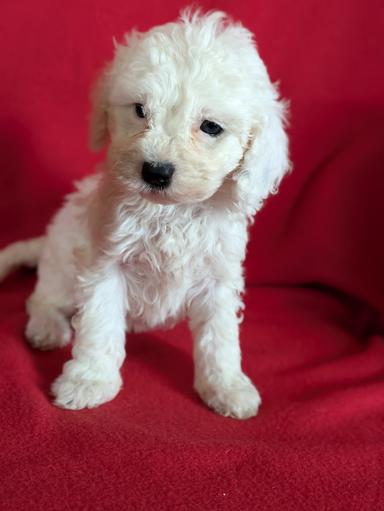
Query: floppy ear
98,129
265,161
99,133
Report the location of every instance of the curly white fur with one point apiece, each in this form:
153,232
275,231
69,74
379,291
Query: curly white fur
119,256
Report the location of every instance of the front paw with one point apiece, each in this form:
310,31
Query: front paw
234,396
83,385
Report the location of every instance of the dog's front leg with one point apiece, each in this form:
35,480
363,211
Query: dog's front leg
219,379
92,377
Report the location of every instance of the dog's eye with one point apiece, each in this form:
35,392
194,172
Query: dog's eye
211,128
140,112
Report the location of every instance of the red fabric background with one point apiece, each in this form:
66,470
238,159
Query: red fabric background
312,337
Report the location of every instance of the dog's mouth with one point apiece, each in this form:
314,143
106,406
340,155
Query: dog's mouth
165,195
158,195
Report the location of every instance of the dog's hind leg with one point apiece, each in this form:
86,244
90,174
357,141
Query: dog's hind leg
48,326
50,306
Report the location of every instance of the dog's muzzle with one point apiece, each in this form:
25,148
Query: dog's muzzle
158,175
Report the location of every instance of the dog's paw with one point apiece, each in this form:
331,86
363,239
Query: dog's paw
81,386
48,331
233,397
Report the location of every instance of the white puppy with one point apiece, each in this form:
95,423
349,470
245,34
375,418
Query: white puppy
196,142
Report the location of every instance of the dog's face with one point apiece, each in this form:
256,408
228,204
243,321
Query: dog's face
181,105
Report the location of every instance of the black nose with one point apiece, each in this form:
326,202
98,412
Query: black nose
158,175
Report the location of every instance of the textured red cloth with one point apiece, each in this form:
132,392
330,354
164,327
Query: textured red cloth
312,337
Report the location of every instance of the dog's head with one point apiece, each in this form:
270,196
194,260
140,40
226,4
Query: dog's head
188,108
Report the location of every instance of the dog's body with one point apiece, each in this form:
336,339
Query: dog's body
169,256
143,245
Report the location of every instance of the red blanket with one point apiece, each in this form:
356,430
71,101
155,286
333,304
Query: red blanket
313,333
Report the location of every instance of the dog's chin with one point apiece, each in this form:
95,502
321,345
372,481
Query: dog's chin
158,197
167,198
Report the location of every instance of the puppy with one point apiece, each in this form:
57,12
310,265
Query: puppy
196,142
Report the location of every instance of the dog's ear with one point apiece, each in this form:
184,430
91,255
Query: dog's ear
98,130
265,159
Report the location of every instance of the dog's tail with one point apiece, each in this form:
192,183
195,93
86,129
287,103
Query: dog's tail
21,253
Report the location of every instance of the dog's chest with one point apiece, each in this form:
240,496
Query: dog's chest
165,259
161,266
